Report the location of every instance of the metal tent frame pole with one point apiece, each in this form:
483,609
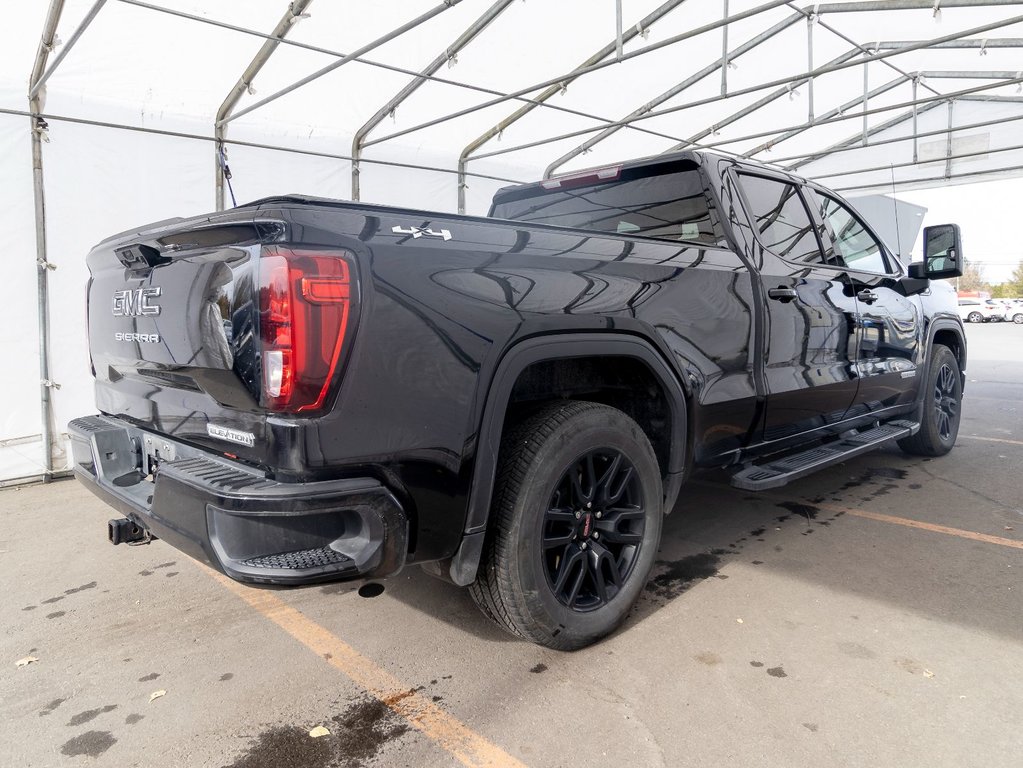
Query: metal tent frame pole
447,55
446,5
1005,78
718,146
43,266
848,7
675,90
581,71
917,45
599,55
650,108
295,10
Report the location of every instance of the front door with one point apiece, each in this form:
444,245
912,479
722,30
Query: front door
889,323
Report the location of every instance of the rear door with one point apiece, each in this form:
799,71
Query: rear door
890,325
810,343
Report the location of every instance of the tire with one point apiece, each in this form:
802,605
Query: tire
975,317
941,407
598,554
1018,318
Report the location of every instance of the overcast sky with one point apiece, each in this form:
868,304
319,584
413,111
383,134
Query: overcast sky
989,215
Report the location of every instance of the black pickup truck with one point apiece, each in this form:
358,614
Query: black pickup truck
301,390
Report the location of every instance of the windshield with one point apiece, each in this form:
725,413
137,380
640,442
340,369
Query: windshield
666,201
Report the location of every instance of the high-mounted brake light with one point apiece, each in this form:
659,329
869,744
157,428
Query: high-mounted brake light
305,302
611,173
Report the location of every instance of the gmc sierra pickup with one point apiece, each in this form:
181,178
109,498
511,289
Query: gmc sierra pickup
301,390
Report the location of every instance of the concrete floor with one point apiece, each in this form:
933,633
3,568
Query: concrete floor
819,625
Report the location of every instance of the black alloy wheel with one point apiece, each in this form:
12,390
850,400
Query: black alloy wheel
593,529
946,400
576,519
940,406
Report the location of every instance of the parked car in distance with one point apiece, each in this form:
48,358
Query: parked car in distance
1014,310
981,310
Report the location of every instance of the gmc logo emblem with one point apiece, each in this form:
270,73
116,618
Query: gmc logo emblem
136,302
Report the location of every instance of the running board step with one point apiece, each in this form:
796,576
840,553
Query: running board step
778,472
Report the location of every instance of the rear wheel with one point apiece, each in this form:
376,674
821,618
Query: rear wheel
941,407
576,521
975,317
1018,318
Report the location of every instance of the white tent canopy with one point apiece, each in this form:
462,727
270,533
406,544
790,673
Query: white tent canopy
445,101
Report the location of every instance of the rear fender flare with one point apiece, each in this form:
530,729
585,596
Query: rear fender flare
465,562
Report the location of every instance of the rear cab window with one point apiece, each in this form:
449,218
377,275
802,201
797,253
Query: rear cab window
781,220
668,201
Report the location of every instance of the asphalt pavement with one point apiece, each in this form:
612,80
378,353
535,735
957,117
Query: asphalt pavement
869,615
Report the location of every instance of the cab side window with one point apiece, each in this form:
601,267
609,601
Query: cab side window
853,243
781,219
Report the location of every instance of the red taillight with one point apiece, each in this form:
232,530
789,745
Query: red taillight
305,299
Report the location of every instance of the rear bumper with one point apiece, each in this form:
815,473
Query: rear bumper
233,517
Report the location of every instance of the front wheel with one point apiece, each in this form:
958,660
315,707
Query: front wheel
975,317
575,525
941,407
1018,318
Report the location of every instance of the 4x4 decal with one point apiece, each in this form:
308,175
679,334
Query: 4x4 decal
418,232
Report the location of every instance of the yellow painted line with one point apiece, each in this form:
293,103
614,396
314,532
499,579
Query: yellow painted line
448,732
993,439
905,521
882,518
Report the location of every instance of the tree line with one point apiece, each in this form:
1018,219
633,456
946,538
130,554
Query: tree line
972,279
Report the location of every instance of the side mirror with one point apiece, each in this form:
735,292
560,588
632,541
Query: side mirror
943,252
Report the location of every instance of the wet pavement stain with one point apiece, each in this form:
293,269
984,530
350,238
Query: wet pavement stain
288,746
172,574
756,664
776,672
709,658
678,576
811,727
758,562
856,651
356,737
150,676
51,600
76,590
134,718
226,676
807,511
371,590
90,714
145,573
51,707
915,486
91,743
30,607
55,614
364,729
539,668
757,532
165,565
891,473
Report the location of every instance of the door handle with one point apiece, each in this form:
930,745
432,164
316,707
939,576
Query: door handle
867,296
782,294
